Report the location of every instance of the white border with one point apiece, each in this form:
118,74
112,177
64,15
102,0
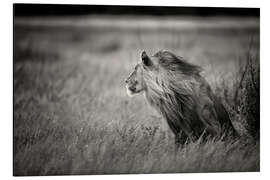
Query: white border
6,87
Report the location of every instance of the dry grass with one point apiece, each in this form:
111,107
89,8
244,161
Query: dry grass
72,115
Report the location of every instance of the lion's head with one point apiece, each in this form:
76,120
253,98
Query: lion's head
152,72
135,83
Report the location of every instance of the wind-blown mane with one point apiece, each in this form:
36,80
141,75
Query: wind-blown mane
177,90
176,63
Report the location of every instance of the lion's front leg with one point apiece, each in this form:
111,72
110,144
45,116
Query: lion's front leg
210,120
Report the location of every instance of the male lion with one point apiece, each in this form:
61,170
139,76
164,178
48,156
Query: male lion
180,94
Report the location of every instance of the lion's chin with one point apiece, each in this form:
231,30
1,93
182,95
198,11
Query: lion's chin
130,93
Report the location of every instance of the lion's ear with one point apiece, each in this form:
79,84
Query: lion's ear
146,60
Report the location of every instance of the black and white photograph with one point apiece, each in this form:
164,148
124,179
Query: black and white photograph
135,89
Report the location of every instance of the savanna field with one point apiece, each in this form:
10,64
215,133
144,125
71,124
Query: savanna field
71,111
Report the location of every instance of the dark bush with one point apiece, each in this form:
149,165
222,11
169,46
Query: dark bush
247,94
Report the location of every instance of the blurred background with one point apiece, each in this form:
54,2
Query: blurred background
70,62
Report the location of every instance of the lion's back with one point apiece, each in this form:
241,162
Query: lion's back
221,112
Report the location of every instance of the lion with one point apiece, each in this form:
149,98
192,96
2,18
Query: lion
175,88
